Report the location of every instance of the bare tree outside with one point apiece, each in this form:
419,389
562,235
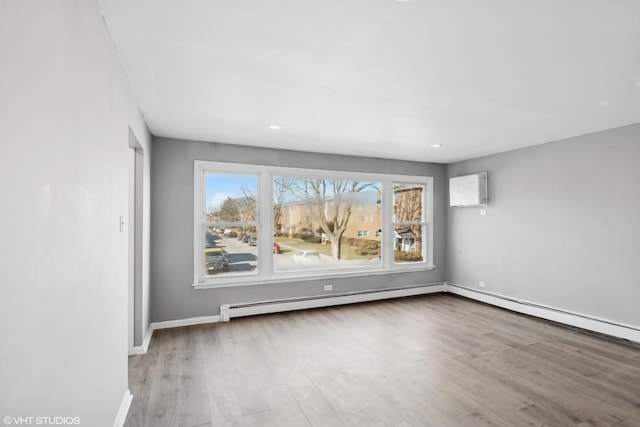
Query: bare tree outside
408,203
229,211
332,202
408,212
247,203
281,186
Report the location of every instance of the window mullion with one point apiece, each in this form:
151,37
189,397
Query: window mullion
387,225
265,239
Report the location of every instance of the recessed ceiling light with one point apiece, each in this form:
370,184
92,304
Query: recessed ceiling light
274,127
435,145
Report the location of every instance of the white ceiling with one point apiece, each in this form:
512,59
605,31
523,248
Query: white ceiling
381,78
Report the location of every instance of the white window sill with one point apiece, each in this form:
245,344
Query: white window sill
289,278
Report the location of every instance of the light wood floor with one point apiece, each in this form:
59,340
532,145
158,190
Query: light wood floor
436,360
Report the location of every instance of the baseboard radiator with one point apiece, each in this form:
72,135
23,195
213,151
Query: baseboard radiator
228,311
584,322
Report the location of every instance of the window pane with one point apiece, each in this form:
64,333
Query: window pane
230,198
407,203
325,224
408,243
230,215
230,251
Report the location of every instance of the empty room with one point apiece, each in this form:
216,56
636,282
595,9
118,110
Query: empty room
320,213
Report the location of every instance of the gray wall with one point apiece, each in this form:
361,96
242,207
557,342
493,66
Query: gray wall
562,226
172,296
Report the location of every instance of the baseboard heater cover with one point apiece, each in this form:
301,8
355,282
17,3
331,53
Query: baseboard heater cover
228,311
588,323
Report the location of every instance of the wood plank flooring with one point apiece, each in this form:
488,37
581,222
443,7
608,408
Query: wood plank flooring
435,360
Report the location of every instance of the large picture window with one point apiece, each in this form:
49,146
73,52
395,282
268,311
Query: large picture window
319,222
256,224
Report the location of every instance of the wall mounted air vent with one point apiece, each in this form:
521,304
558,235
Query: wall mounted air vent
468,190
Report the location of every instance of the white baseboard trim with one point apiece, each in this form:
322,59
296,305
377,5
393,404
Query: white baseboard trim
590,323
264,307
228,311
121,416
185,322
142,349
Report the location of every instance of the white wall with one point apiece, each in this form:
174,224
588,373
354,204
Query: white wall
65,112
561,228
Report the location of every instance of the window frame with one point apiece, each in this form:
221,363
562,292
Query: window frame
264,218
423,223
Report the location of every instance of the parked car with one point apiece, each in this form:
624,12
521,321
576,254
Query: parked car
246,238
306,257
276,248
253,241
215,261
